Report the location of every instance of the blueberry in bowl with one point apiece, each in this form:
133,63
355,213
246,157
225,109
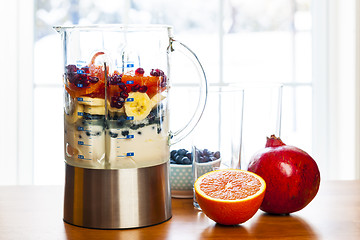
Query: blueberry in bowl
181,169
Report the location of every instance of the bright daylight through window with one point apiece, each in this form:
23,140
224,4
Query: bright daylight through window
237,41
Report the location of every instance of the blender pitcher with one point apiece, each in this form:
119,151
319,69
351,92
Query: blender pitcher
116,123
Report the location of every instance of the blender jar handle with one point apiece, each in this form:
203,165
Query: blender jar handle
180,134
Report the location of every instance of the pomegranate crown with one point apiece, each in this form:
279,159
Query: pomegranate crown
273,141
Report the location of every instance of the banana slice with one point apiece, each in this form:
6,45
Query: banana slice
76,114
95,110
156,99
140,107
88,101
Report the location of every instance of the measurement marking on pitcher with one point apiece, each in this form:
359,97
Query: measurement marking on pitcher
129,154
80,63
127,137
80,99
83,144
83,158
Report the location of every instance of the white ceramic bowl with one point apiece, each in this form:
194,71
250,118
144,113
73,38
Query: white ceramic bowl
181,177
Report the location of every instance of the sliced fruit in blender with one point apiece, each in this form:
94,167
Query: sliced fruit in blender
91,101
138,106
76,114
157,98
94,110
95,56
87,80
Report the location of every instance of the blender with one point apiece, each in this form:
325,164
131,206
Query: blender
116,123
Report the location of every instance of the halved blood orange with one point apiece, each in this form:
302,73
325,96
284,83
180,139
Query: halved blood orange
230,196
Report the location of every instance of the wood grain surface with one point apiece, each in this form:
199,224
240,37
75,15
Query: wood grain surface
35,212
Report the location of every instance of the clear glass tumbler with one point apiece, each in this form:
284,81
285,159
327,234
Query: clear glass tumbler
218,136
262,117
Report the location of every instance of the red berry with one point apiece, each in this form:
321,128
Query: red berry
139,71
143,89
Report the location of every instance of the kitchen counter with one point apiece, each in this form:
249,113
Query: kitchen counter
35,212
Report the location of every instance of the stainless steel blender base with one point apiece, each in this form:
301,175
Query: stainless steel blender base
117,198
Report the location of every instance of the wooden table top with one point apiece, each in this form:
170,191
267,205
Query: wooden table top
35,212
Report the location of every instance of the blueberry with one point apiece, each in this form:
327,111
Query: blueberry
198,153
175,155
217,155
151,117
185,160
172,161
125,133
182,152
113,135
189,155
178,159
121,120
201,159
172,153
207,159
206,152
137,126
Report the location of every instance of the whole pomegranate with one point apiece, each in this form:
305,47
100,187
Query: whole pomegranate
292,176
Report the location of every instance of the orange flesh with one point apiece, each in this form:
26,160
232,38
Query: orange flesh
230,185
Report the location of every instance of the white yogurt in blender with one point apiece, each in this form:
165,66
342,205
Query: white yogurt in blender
146,146
84,144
